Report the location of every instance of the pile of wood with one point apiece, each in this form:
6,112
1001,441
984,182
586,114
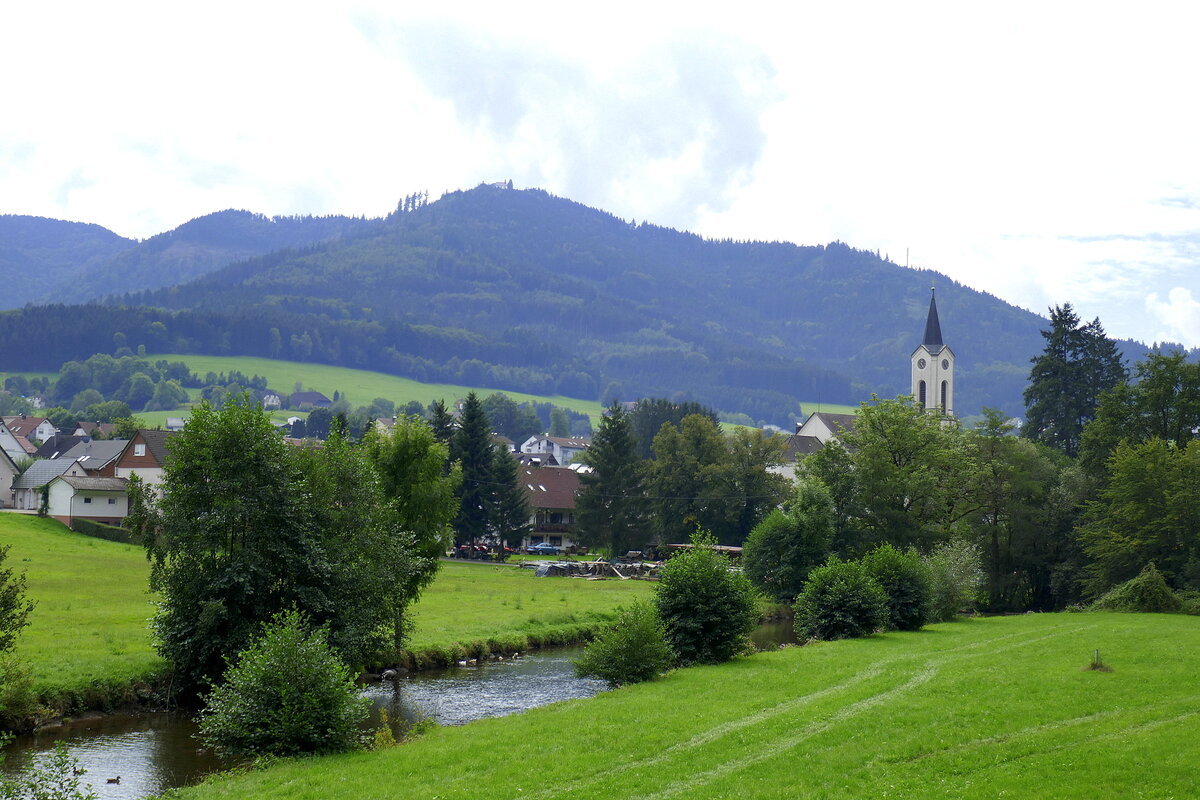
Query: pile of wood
595,570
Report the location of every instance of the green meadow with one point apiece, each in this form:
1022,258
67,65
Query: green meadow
982,708
361,386
90,628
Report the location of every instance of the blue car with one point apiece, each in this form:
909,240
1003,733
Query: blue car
543,549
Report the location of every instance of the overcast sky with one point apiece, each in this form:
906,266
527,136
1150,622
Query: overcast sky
1044,152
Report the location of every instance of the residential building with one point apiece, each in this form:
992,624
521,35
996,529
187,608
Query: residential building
563,448
95,499
551,493
145,455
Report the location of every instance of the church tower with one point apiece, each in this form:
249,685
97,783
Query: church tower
933,367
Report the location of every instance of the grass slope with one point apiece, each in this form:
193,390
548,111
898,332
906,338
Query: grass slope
981,708
361,386
90,623
91,627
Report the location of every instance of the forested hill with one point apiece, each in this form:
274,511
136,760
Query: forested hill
523,290
40,256
73,262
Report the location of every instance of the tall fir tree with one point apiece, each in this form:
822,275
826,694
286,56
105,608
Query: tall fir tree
1066,381
472,449
510,509
610,511
441,422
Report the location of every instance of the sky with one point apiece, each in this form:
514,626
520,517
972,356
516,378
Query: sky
1047,153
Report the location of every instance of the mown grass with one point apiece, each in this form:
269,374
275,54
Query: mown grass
89,635
995,707
89,628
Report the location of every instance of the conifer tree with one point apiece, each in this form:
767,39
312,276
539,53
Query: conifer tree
1066,381
472,448
510,509
610,510
441,422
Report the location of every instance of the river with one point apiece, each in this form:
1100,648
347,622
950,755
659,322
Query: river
157,751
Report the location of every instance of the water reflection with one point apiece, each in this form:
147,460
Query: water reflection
155,752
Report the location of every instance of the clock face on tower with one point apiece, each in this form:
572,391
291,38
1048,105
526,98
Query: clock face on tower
945,363
921,363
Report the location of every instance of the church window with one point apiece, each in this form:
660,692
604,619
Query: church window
922,393
944,389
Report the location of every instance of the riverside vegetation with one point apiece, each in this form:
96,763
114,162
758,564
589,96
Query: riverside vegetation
92,593
970,709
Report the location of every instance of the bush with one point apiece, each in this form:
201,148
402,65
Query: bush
781,549
956,578
904,578
286,694
840,600
99,530
633,650
708,610
1147,593
14,608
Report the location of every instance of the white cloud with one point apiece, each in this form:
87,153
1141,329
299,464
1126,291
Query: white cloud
1044,153
1179,316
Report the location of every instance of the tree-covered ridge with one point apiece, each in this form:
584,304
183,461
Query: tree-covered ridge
49,260
40,257
524,291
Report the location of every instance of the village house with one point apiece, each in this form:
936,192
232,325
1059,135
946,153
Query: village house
563,448
551,493
32,428
94,429
14,445
72,497
8,474
145,455
27,488
301,400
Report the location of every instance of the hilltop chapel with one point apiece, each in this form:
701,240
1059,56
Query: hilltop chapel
932,388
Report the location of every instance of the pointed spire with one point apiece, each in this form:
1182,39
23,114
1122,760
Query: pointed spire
933,328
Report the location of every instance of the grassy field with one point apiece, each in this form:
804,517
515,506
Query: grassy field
983,708
363,386
91,622
359,386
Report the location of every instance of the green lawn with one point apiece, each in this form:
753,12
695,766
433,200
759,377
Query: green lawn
983,708
91,621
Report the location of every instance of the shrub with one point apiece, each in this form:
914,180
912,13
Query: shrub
904,578
287,694
781,549
1147,593
840,600
14,607
956,578
99,530
633,650
708,610
1189,600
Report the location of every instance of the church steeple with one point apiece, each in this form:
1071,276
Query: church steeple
933,328
933,366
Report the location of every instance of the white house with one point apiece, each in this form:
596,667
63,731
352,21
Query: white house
563,448
8,474
96,499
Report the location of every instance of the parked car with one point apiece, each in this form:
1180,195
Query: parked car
543,549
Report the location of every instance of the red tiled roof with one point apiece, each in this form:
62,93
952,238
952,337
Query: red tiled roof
549,487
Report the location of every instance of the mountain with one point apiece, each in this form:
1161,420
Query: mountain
83,262
39,257
526,291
